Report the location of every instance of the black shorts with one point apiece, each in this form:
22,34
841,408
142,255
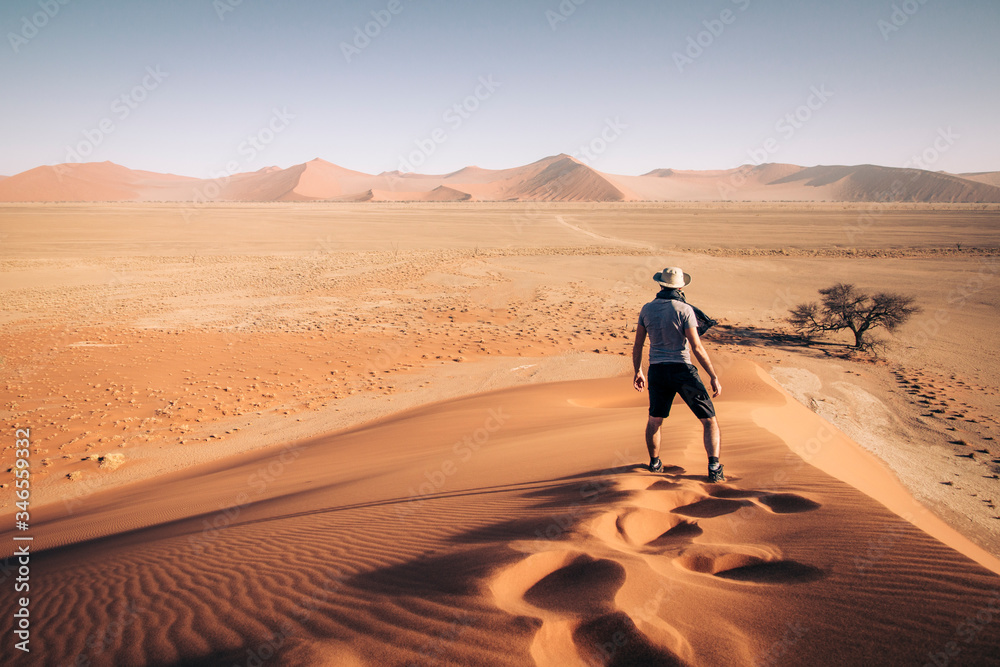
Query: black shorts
668,380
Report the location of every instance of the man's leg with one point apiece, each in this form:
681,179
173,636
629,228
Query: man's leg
653,436
712,447
713,439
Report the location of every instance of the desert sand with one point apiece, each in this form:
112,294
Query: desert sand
381,434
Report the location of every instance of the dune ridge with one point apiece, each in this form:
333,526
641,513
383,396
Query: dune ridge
545,542
558,178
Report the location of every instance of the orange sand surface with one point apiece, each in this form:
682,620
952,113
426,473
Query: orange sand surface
406,434
504,528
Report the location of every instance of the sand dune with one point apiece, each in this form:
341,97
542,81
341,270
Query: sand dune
874,183
770,182
987,177
319,179
563,179
310,181
558,178
94,181
264,185
444,193
511,527
472,174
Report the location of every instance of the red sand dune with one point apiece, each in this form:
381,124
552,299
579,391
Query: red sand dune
444,193
561,179
557,178
512,528
92,181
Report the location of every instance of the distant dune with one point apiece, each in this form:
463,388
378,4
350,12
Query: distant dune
987,177
787,182
743,183
874,183
93,181
444,193
558,178
563,179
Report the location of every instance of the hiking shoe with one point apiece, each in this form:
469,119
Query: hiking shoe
716,475
656,465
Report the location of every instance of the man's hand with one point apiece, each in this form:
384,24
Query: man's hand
716,387
639,382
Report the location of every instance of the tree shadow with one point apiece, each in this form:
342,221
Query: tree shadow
759,337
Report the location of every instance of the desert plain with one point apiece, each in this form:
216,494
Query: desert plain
405,434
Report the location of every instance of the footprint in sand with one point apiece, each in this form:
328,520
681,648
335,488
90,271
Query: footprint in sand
709,508
572,585
733,492
753,565
643,527
585,587
685,530
779,503
574,596
614,640
664,485
788,503
757,568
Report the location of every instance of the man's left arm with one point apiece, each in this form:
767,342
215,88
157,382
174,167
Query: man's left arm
698,350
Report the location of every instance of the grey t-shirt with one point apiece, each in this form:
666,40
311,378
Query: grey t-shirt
665,321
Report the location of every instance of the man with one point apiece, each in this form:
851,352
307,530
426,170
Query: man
672,328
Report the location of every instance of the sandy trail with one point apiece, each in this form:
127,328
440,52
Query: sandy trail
599,237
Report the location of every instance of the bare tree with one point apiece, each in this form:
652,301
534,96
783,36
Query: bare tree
844,306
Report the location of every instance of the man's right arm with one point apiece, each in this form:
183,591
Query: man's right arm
702,356
638,381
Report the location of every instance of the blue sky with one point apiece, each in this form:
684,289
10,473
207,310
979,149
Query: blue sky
198,87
